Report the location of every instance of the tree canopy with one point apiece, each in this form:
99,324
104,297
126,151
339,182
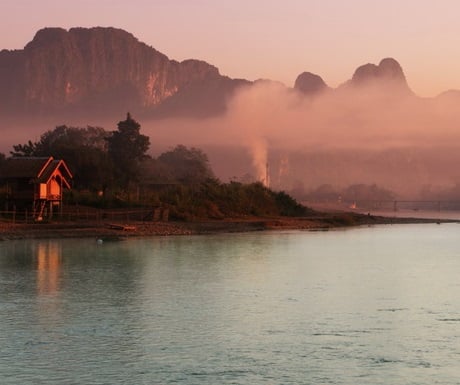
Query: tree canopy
127,147
184,165
116,159
100,159
83,149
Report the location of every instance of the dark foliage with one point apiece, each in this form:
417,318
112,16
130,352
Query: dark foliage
127,147
213,199
180,179
83,149
179,165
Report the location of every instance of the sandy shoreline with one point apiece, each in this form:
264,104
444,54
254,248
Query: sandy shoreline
118,230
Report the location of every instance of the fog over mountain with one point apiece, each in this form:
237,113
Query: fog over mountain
371,129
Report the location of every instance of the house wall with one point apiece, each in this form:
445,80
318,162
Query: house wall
54,189
42,191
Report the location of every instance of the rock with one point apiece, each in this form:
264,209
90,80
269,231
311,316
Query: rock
103,71
387,74
310,84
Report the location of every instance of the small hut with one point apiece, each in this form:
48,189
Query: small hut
36,183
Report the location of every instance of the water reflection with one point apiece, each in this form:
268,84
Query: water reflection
366,306
49,261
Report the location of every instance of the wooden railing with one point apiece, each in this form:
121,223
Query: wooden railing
88,214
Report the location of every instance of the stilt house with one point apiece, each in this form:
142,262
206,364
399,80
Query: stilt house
35,183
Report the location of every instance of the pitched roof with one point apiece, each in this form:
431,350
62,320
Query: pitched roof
24,167
37,169
49,169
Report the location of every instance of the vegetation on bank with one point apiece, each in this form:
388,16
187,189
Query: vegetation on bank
113,170
210,199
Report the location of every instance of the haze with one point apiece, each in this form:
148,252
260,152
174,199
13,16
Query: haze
362,135
399,141
374,133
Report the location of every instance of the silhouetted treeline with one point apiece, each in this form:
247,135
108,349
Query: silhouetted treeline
112,169
217,200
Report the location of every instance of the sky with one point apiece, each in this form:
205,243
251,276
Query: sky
269,39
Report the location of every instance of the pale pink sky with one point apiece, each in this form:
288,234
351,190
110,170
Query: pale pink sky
270,39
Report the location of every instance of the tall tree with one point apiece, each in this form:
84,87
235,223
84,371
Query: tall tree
127,148
83,149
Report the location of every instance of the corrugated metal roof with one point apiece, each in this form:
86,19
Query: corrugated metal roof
37,169
23,167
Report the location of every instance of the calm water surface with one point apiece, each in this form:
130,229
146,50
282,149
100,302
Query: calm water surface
374,305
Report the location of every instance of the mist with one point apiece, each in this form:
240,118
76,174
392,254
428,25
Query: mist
374,134
368,134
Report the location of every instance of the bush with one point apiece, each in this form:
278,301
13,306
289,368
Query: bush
210,199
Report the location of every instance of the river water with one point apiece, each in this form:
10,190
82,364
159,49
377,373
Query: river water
370,305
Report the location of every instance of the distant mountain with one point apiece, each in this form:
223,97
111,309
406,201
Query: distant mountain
95,75
386,77
387,74
310,84
105,70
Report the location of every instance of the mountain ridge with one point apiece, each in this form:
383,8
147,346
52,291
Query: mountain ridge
100,71
97,69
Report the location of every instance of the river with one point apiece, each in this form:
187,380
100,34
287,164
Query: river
369,305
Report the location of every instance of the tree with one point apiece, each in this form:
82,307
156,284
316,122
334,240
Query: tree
2,161
28,149
184,165
127,147
83,149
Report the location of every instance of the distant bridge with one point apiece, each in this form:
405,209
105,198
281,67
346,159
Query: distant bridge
395,205
390,205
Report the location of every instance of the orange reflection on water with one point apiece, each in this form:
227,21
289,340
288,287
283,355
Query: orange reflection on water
49,258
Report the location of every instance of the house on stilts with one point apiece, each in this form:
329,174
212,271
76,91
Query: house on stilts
35,184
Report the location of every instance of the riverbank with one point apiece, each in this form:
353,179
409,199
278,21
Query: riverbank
98,230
